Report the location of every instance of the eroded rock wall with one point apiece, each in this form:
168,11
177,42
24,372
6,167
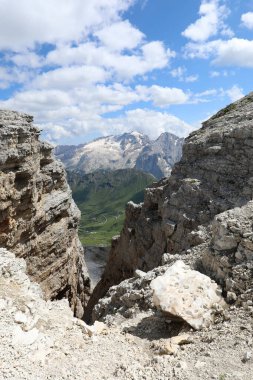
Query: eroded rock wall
38,218
215,174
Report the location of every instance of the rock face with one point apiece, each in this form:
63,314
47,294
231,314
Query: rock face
214,175
185,294
39,219
229,256
130,150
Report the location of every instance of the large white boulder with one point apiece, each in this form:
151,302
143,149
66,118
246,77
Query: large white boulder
186,294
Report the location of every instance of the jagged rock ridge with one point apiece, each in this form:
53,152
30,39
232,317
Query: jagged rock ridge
129,150
214,175
38,218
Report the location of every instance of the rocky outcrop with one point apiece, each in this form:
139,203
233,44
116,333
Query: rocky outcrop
214,175
39,219
229,256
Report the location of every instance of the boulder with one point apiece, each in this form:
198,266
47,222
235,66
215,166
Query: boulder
187,295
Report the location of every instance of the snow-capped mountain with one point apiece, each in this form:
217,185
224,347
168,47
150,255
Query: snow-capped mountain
129,150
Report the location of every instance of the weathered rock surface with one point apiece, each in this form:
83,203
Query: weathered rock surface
42,340
134,295
214,175
38,219
185,294
229,257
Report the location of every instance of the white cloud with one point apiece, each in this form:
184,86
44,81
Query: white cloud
150,56
153,56
10,75
178,72
233,52
181,73
52,99
211,21
223,73
149,122
26,59
235,93
119,36
201,50
70,77
56,21
165,96
192,78
205,96
247,20
64,111
56,132
215,74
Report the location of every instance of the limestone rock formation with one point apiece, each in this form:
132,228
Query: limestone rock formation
185,294
38,219
229,256
214,175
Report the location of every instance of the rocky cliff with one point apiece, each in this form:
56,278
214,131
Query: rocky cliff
38,219
214,175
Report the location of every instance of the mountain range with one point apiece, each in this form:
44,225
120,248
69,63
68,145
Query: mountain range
126,151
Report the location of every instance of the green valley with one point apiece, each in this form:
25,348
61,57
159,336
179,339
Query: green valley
102,196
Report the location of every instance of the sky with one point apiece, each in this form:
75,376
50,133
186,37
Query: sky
91,68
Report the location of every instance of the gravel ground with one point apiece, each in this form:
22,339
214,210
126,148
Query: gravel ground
42,340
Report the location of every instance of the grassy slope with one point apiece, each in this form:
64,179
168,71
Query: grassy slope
101,196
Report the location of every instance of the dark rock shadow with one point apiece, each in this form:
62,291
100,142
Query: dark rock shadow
156,327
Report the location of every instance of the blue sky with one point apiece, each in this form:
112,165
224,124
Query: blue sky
91,68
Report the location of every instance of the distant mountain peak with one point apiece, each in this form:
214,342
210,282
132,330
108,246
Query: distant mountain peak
128,150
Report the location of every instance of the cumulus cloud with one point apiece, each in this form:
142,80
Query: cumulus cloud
150,56
233,52
70,77
67,111
165,96
23,24
94,98
235,93
119,36
211,21
149,122
247,20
